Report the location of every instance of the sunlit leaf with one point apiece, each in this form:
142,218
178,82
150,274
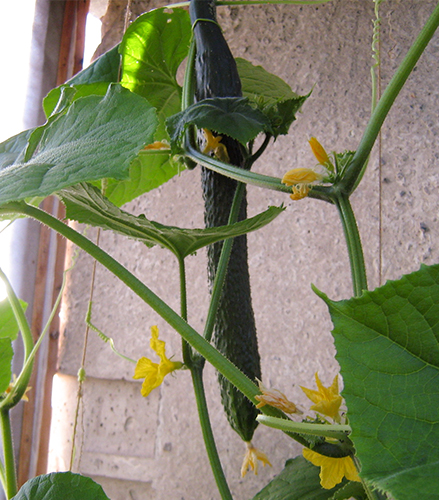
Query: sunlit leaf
388,348
152,49
84,203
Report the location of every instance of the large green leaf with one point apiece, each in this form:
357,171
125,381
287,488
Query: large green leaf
84,203
6,354
150,169
96,138
232,116
272,95
152,49
387,346
298,481
61,486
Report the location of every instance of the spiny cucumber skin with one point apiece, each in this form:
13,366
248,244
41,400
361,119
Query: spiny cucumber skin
235,330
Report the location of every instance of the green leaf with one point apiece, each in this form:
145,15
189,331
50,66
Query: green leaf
387,347
104,69
84,203
232,116
298,481
13,148
51,101
272,95
352,489
6,354
8,323
61,486
150,169
96,138
152,49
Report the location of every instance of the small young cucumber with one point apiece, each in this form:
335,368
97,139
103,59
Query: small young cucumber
235,330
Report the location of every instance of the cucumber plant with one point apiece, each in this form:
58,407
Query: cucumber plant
102,132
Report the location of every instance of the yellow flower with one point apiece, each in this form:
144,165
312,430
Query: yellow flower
300,179
273,397
213,144
332,470
319,152
251,458
154,373
327,399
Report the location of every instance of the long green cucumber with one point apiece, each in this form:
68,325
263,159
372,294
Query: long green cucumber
235,330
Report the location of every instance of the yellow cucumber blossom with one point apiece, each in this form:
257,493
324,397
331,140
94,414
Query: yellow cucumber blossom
320,154
252,455
213,144
327,399
273,397
154,373
300,179
332,470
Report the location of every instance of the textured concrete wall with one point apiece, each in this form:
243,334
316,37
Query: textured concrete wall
152,448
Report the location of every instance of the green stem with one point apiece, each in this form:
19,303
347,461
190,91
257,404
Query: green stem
336,431
222,265
237,173
353,243
209,440
23,380
8,451
185,348
349,182
2,475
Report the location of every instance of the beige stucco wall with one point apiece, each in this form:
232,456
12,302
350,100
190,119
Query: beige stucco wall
152,448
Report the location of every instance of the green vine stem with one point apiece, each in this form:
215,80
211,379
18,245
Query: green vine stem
222,265
10,478
209,439
351,179
236,173
22,381
353,243
336,431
